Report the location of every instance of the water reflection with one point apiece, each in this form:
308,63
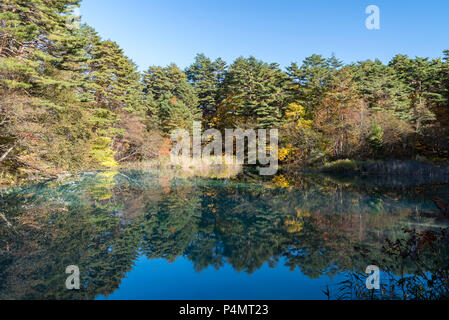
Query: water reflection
104,222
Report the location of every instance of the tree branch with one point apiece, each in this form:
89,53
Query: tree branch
6,153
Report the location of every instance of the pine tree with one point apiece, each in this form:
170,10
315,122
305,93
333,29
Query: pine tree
40,70
207,77
382,89
118,92
310,82
253,93
423,78
172,96
445,77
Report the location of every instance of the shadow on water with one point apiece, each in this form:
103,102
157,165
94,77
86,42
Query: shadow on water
313,224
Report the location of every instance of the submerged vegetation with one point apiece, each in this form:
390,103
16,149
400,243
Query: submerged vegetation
70,101
104,221
427,278
373,136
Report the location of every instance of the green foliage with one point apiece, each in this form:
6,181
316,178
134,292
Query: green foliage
71,100
62,91
172,96
103,222
207,77
253,92
423,77
382,89
376,137
311,80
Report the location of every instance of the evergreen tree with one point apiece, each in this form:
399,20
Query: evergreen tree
423,78
172,96
207,77
445,77
382,89
118,92
254,93
41,111
310,81
71,100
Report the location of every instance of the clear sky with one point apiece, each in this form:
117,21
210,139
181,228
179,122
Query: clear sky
158,32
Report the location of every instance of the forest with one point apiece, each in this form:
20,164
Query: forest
71,101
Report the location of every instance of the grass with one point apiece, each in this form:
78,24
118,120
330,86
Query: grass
340,166
218,167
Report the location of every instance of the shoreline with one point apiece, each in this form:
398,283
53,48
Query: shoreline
344,168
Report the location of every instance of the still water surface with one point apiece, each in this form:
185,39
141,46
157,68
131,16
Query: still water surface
143,234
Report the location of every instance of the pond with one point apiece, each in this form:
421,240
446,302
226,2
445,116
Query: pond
149,234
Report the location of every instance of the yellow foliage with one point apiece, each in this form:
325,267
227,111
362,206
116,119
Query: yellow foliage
296,224
301,214
284,153
103,186
296,113
102,152
281,182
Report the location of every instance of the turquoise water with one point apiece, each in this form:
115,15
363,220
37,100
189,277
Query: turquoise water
139,234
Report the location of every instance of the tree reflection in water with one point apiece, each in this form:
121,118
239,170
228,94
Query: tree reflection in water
102,222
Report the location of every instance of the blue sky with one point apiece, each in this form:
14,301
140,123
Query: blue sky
158,32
